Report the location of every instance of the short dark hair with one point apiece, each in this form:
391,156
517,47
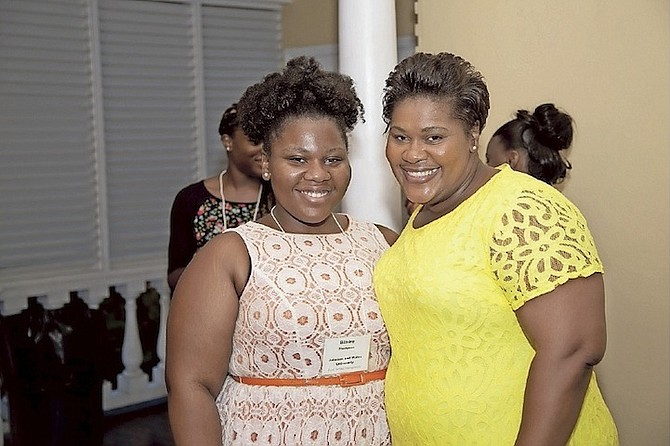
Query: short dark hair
439,76
302,88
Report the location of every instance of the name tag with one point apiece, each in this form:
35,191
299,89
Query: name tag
346,354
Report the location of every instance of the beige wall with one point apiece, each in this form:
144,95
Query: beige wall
314,22
607,64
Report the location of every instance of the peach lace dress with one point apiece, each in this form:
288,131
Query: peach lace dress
448,291
302,290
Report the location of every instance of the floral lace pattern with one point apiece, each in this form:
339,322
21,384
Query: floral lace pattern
448,291
540,244
304,289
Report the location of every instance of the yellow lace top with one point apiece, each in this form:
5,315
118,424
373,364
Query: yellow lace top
448,291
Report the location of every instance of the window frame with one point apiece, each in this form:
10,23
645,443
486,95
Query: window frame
102,262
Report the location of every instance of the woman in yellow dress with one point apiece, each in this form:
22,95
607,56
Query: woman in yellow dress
493,294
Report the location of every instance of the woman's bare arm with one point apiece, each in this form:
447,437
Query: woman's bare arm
566,327
200,329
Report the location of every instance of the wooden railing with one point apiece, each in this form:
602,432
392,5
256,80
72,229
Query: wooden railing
133,385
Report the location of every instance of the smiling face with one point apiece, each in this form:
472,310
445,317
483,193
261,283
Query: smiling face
310,172
430,152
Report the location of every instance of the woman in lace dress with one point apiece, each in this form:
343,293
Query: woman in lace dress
286,345
493,293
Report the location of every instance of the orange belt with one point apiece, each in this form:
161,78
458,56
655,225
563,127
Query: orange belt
346,380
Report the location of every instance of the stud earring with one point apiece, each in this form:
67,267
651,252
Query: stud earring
228,148
474,149
266,176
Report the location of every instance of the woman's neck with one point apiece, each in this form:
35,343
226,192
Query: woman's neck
237,186
283,221
475,178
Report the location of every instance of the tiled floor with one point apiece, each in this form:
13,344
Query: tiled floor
148,427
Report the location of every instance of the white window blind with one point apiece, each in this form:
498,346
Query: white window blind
167,70
48,210
148,85
230,69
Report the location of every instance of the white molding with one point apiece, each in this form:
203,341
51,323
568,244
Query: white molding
31,285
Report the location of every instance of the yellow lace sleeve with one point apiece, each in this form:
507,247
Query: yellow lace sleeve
539,243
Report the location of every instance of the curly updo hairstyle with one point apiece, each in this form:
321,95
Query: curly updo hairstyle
301,89
542,134
439,76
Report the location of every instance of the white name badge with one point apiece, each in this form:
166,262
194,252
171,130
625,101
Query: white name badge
346,354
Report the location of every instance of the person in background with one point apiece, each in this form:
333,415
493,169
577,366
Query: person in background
198,213
285,345
493,294
531,143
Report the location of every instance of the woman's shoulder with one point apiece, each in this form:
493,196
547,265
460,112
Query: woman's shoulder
524,201
515,199
251,230
193,191
513,180
354,224
380,232
189,199
510,186
222,246
213,262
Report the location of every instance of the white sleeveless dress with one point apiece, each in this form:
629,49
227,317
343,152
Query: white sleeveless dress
302,290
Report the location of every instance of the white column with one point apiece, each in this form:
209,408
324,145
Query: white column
367,53
133,377
158,373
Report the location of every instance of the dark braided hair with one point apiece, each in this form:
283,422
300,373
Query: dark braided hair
542,134
301,89
439,76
